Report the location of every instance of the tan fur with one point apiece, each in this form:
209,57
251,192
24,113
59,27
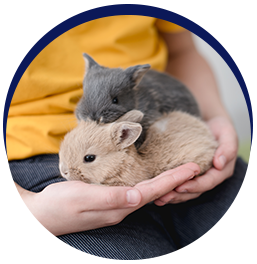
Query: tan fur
175,139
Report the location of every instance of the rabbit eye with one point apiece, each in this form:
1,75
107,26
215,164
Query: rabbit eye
115,100
89,158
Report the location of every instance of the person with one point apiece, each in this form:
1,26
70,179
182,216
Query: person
155,217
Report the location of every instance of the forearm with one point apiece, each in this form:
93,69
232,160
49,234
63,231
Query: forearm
186,64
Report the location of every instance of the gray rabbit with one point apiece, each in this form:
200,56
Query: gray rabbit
109,93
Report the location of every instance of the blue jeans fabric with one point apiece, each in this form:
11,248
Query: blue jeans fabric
148,232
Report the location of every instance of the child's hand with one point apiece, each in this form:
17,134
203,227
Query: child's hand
223,161
75,206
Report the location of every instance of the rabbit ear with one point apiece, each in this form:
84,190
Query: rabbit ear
137,72
90,62
132,116
125,134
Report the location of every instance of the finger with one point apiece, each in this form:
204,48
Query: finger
227,149
223,155
184,198
207,181
192,166
173,197
160,186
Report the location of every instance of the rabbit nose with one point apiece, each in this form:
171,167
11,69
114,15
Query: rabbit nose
64,171
65,174
94,116
100,120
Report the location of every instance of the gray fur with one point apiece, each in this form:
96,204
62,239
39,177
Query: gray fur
152,92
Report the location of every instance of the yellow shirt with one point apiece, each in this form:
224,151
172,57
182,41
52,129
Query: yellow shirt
41,111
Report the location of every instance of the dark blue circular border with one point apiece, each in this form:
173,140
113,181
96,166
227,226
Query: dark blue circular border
231,32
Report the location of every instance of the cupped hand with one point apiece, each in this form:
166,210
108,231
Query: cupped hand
223,165
75,206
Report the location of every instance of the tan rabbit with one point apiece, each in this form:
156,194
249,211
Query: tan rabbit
105,153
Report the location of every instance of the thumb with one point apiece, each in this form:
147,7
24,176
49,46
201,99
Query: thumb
111,197
121,197
224,132
226,151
